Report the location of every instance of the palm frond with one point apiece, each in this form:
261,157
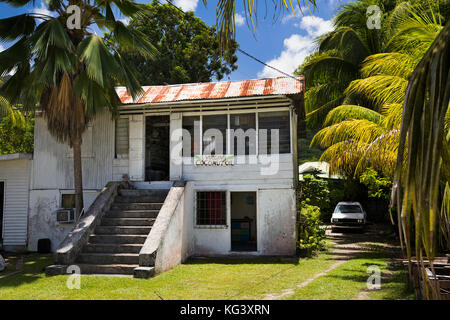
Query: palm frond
422,134
352,112
392,64
363,131
380,89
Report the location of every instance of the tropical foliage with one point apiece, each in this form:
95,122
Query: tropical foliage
423,163
67,70
310,234
16,136
189,49
358,137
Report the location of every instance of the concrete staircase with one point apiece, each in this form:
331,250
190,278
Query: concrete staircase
114,246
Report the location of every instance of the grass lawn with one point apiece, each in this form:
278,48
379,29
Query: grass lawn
213,279
349,279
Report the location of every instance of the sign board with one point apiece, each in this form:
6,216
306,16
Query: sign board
220,160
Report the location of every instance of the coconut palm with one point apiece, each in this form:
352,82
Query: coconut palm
69,73
423,162
337,62
358,137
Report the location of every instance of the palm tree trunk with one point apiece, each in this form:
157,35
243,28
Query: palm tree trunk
78,176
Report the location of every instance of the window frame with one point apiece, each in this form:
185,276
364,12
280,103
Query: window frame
227,208
127,155
200,114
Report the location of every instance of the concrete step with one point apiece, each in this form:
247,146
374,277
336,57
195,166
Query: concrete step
107,268
140,192
112,248
127,221
140,199
122,230
137,206
108,258
132,214
118,239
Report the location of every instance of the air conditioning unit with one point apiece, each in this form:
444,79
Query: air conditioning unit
65,215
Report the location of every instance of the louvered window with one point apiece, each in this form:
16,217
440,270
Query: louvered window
122,140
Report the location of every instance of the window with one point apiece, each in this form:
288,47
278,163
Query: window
268,121
68,201
191,136
243,133
121,138
214,134
211,208
208,134
348,208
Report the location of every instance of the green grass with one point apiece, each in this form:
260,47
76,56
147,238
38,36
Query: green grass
349,279
198,279
218,279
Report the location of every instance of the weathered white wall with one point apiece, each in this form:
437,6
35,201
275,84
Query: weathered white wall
42,216
53,162
276,221
275,218
52,175
16,176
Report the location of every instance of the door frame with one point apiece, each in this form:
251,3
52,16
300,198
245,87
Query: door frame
257,235
163,114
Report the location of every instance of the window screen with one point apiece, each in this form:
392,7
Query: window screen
191,136
211,208
243,132
214,134
122,138
274,120
68,201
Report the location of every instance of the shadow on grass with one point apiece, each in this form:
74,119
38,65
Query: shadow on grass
33,269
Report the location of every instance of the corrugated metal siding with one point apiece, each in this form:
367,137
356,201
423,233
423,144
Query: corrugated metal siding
15,174
53,163
215,90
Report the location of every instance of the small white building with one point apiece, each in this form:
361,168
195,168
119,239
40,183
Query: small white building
233,142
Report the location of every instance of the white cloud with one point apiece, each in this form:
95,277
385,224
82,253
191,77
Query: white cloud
297,47
315,26
239,20
186,5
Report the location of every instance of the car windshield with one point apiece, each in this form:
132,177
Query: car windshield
348,208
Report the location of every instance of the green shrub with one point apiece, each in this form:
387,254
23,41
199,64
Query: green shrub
316,192
16,137
310,236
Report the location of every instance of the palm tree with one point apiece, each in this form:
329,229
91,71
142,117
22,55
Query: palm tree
358,137
423,163
337,62
69,73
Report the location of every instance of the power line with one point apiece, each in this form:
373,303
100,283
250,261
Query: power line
244,52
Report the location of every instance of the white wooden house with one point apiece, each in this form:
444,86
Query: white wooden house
240,195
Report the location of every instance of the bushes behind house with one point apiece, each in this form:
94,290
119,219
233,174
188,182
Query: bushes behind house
310,235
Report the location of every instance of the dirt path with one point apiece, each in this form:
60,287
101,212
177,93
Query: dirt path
346,246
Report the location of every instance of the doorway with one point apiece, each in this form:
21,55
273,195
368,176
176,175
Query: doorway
243,221
157,145
2,204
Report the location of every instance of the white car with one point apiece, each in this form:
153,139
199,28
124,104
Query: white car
348,215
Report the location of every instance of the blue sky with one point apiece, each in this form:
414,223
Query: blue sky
283,41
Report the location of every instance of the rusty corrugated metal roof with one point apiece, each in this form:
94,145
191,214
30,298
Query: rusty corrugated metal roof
214,90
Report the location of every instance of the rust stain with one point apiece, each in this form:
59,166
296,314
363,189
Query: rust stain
245,88
216,90
160,96
268,89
